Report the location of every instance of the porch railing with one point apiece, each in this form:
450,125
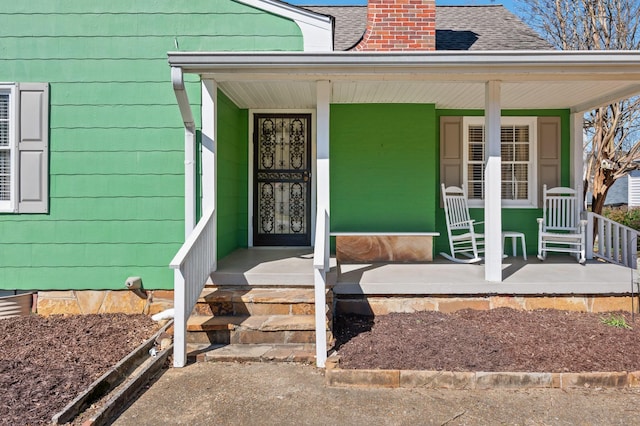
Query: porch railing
320,269
192,265
611,241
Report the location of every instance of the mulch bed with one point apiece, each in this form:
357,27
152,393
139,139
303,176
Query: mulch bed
46,362
496,340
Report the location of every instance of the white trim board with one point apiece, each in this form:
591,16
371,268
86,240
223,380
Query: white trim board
317,29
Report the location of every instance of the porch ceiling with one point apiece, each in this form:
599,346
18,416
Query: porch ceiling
453,95
538,80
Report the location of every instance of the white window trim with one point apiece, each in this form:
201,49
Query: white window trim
532,122
10,205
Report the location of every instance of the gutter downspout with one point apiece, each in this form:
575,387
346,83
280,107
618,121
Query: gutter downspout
177,79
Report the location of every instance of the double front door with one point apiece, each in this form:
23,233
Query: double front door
282,180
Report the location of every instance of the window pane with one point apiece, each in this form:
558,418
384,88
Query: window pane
522,152
4,106
521,133
4,133
476,172
507,190
4,119
476,152
476,134
521,172
522,192
507,171
475,190
5,168
507,152
506,134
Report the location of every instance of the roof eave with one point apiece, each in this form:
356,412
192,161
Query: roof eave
501,64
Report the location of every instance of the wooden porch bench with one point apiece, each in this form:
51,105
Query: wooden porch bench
367,247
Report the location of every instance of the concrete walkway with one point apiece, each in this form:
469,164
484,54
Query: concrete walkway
288,394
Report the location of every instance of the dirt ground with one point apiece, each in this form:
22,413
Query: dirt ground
46,362
496,340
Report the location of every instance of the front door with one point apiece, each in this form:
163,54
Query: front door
282,180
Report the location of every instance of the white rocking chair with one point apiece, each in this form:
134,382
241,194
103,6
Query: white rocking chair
463,239
560,229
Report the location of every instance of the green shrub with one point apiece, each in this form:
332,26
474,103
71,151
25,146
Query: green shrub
626,216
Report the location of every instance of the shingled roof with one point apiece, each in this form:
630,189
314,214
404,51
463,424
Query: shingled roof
490,27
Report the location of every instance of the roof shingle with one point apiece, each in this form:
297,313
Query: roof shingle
490,27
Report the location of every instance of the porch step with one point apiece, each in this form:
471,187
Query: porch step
254,322
273,329
243,301
247,315
302,353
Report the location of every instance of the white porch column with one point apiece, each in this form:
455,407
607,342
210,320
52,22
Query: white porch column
209,143
177,80
189,181
493,185
577,155
323,99
577,171
322,143
209,156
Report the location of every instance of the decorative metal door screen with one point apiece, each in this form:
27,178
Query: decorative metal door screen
282,186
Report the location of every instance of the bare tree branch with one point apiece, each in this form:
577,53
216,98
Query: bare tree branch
612,145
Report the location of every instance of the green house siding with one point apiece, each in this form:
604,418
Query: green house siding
116,137
385,171
232,176
383,167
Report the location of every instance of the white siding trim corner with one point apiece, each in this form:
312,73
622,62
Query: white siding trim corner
317,29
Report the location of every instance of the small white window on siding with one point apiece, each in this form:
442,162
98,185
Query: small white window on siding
7,148
518,151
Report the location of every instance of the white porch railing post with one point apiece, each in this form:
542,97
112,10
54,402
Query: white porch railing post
617,243
589,236
320,279
192,265
320,269
179,320
633,250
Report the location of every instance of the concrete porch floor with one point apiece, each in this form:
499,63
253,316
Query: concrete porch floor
558,275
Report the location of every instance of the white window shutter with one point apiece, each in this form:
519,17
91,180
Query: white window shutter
33,148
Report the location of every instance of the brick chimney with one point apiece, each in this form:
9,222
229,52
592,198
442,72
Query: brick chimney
396,25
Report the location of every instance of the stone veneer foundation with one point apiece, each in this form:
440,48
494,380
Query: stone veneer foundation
93,302
74,302
381,305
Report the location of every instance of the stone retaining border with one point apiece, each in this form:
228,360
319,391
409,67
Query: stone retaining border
132,371
337,377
